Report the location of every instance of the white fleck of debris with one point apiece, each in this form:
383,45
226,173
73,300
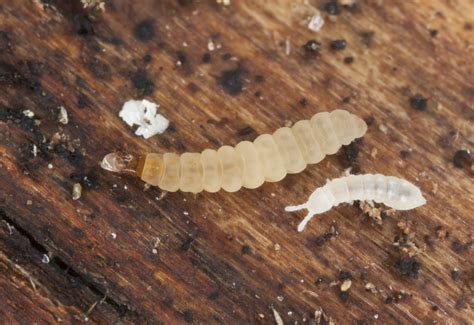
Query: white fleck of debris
316,22
290,313
154,251
63,117
262,316
186,213
185,44
28,113
383,128
114,235
125,187
45,259
224,2
277,316
376,316
346,285
211,46
179,63
369,286
143,113
280,298
273,194
35,150
76,191
50,166
29,202
277,247
287,47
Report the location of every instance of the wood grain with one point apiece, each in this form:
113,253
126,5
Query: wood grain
120,253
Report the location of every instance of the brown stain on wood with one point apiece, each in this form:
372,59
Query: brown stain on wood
228,258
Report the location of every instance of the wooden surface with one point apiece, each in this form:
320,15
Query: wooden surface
121,254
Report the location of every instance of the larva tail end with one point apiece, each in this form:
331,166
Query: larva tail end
293,208
118,162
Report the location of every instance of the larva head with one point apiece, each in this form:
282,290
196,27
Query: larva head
410,197
119,162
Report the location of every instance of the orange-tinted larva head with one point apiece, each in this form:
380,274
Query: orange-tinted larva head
150,168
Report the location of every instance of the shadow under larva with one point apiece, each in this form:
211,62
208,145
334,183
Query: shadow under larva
269,158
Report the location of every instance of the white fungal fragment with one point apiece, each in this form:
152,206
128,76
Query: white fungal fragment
28,113
143,113
76,191
316,22
394,192
63,117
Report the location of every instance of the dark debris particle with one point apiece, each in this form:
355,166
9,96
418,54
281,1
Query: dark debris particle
83,25
338,44
460,303
462,159
147,58
332,8
346,99
312,46
396,297
82,101
369,120
259,78
363,275
5,42
433,32
188,316
245,249
99,69
141,82
344,275
226,56
74,158
193,87
455,274
408,266
231,81
367,38
214,295
419,102
351,152
344,295
434,308
245,131
186,245
459,247
206,58
258,93
349,60
145,30
319,281
404,154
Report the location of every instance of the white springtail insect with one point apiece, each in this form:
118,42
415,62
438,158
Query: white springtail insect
394,192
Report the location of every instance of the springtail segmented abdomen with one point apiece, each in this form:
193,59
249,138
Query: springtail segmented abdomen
268,158
394,192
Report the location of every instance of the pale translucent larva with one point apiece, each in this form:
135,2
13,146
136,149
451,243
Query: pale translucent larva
268,158
394,192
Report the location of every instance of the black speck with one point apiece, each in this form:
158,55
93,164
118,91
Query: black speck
319,281
404,154
346,99
245,249
418,102
303,101
332,8
188,316
433,32
349,60
459,247
147,58
245,131
344,275
259,78
226,56
99,69
193,87
141,82
145,30
206,58
187,243
408,266
83,25
258,93
434,308
363,275
344,295
74,158
4,41
312,46
214,295
338,44
369,120
455,275
181,57
462,158
231,81
460,303
367,38
351,152
82,101
389,300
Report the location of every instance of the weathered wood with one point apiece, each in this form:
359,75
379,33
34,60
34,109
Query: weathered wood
119,253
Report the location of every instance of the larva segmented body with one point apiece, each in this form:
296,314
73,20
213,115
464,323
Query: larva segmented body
394,192
268,158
